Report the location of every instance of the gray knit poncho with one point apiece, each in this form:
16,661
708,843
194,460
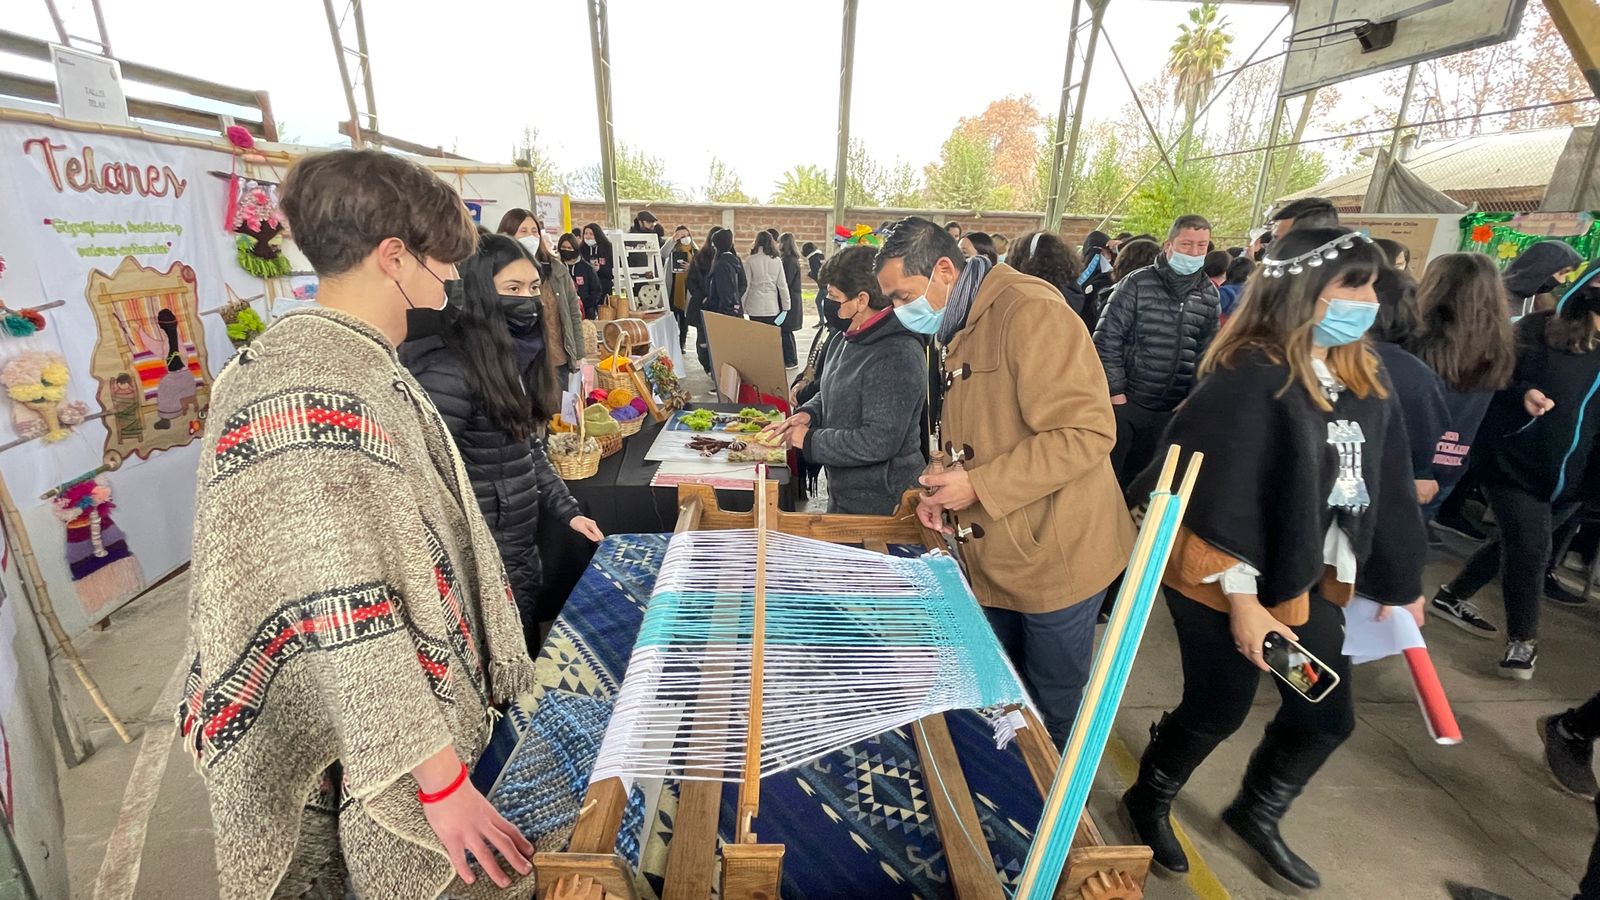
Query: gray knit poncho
348,618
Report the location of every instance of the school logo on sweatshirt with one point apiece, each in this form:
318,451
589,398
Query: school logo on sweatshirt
1349,489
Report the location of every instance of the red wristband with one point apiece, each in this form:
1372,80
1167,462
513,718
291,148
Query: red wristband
461,778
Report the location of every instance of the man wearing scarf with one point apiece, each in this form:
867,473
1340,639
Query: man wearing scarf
1026,421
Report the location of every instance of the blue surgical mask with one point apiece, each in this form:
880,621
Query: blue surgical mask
920,316
1184,264
1346,321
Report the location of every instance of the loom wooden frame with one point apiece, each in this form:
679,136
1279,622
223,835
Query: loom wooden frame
1094,871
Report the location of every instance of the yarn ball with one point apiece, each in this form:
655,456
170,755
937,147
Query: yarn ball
640,405
619,398
240,137
598,396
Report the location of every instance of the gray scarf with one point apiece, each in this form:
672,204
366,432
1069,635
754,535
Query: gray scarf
961,296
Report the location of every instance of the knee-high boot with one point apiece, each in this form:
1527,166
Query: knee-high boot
1172,756
1279,768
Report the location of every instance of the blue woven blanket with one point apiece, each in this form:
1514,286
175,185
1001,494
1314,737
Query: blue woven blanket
857,823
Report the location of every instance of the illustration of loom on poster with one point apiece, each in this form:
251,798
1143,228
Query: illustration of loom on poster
150,358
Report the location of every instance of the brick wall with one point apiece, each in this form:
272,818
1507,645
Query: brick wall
814,223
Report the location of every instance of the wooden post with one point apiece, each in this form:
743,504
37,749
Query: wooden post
750,787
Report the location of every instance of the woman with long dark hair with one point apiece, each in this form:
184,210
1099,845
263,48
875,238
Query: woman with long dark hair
598,254
1537,437
1305,494
1044,255
698,281
559,299
795,318
590,291
1465,337
725,288
486,370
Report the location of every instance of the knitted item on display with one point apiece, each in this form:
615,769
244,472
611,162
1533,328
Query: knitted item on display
104,570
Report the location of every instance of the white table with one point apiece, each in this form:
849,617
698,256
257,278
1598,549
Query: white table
664,333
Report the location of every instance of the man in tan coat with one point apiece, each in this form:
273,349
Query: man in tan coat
1035,503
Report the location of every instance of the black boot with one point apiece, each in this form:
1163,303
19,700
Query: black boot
1278,771
1173,754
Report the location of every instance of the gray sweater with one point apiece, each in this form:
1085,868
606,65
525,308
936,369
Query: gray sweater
864,421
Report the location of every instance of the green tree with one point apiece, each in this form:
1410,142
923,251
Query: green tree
964,177
866,178
1198,55
804,185
1102,176
532,153
902,189
722,185
640,176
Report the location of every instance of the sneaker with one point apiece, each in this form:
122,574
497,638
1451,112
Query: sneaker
1519,659
1555,590
1570,757
1461,613
1458,524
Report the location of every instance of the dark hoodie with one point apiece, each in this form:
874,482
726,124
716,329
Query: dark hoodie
1533,272
1545,455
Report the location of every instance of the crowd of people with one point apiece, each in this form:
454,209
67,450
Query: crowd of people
1026,389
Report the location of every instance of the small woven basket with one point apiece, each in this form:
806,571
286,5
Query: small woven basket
631,427
581,464
610,444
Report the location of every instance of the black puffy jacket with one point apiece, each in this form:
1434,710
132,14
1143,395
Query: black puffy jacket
1153,331
516,487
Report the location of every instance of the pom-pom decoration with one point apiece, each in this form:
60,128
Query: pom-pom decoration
240,137
37,384
1482,234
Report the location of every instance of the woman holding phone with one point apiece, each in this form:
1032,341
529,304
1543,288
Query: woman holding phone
1305,496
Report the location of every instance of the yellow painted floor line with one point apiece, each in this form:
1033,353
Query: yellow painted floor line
1201,881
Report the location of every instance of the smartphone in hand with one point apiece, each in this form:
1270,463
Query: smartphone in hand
1298,668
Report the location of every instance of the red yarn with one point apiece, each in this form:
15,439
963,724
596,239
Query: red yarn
240,136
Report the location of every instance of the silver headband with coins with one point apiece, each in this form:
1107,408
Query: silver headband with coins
1294,265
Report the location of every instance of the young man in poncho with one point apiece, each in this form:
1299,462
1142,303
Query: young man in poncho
350,627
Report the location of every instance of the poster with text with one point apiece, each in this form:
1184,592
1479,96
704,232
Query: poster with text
122,242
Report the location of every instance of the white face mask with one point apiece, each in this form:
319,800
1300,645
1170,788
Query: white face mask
684,241
590,242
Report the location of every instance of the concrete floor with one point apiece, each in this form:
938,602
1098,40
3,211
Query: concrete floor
1392,815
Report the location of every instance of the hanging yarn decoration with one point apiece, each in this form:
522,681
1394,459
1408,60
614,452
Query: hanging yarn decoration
104,570
19,322
37,384
244,323
256,219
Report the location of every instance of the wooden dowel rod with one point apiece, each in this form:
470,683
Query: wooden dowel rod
750,786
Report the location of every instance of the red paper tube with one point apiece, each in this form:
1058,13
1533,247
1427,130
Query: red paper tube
1430,696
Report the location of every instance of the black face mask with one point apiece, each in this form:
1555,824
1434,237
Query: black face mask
569,255
522,314
423,322
830,314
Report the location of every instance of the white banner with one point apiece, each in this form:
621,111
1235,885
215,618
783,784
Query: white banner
129,237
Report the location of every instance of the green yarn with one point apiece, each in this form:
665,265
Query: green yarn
277,267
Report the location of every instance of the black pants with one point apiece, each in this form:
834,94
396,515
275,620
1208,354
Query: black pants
1520,555
683,325
1219,685
1139,433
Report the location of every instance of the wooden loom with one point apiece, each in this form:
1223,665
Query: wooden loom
753,871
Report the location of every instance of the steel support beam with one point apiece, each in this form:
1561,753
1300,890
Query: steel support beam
1266,164
600,52
1067,164
841,165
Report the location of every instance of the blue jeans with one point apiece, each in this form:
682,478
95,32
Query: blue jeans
1052,652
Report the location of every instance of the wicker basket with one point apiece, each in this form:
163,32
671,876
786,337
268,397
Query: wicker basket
590,339
610,444
631,427
611,381
582,464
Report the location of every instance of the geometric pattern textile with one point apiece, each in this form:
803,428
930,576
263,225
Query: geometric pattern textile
857,822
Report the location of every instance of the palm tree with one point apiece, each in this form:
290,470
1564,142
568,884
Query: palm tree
1197,55
804,185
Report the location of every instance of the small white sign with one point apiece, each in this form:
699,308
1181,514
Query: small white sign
89,86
